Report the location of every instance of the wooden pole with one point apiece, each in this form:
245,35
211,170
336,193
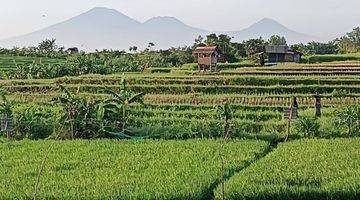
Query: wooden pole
210,62
318,105
289,123
294,105
6,124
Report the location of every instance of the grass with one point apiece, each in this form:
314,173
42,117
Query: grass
119,169
305,169
331,58
9,62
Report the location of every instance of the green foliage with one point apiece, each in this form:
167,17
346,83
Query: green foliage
305,169
277,40
329,58
81,116
181,105
254,46
340,93
349,118
350,43
5,104
95,119
47,46
117,105
120,170
37,122
321,48
158,70
231,51
307,127
346,44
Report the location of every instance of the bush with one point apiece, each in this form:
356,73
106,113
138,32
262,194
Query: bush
340,93
36,121
307,127
348,118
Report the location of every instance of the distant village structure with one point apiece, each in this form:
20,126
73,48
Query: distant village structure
279,54
207,58
73,50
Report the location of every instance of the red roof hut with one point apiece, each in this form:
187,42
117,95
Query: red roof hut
207,57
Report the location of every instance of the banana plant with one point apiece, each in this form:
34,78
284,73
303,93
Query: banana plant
6,107
119,102
78,112
5,104
225,112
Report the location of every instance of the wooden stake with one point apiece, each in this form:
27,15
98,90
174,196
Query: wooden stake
289,123
210,63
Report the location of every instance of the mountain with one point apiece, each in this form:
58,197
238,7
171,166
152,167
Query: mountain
104,28
169,31
99,28
266,28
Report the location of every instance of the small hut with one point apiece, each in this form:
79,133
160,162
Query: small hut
207,58
73,50
281,53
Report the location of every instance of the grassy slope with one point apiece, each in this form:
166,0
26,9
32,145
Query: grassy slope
119,169
306,169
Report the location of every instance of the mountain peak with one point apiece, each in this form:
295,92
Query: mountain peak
268,20
102,15
268,23
108,28
164,20
102,11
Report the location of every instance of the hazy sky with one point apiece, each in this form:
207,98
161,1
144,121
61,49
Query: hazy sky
316,17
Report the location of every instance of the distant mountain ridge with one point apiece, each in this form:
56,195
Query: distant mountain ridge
104,28
266,28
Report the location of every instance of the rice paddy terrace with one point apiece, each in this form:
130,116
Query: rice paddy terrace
11,62
185,98
180,104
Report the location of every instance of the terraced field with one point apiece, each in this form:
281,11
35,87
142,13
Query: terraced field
306,169
180,104
303,169
120,170
10,62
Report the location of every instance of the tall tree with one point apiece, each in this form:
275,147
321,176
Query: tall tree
350,43
277,40
48,46
253,46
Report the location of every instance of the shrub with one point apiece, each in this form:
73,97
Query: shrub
36,121
307,127
349,119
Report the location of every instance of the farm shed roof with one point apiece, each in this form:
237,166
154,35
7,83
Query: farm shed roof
276,49
207,49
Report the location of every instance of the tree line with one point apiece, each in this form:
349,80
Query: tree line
111,61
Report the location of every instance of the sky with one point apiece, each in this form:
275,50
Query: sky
324,18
